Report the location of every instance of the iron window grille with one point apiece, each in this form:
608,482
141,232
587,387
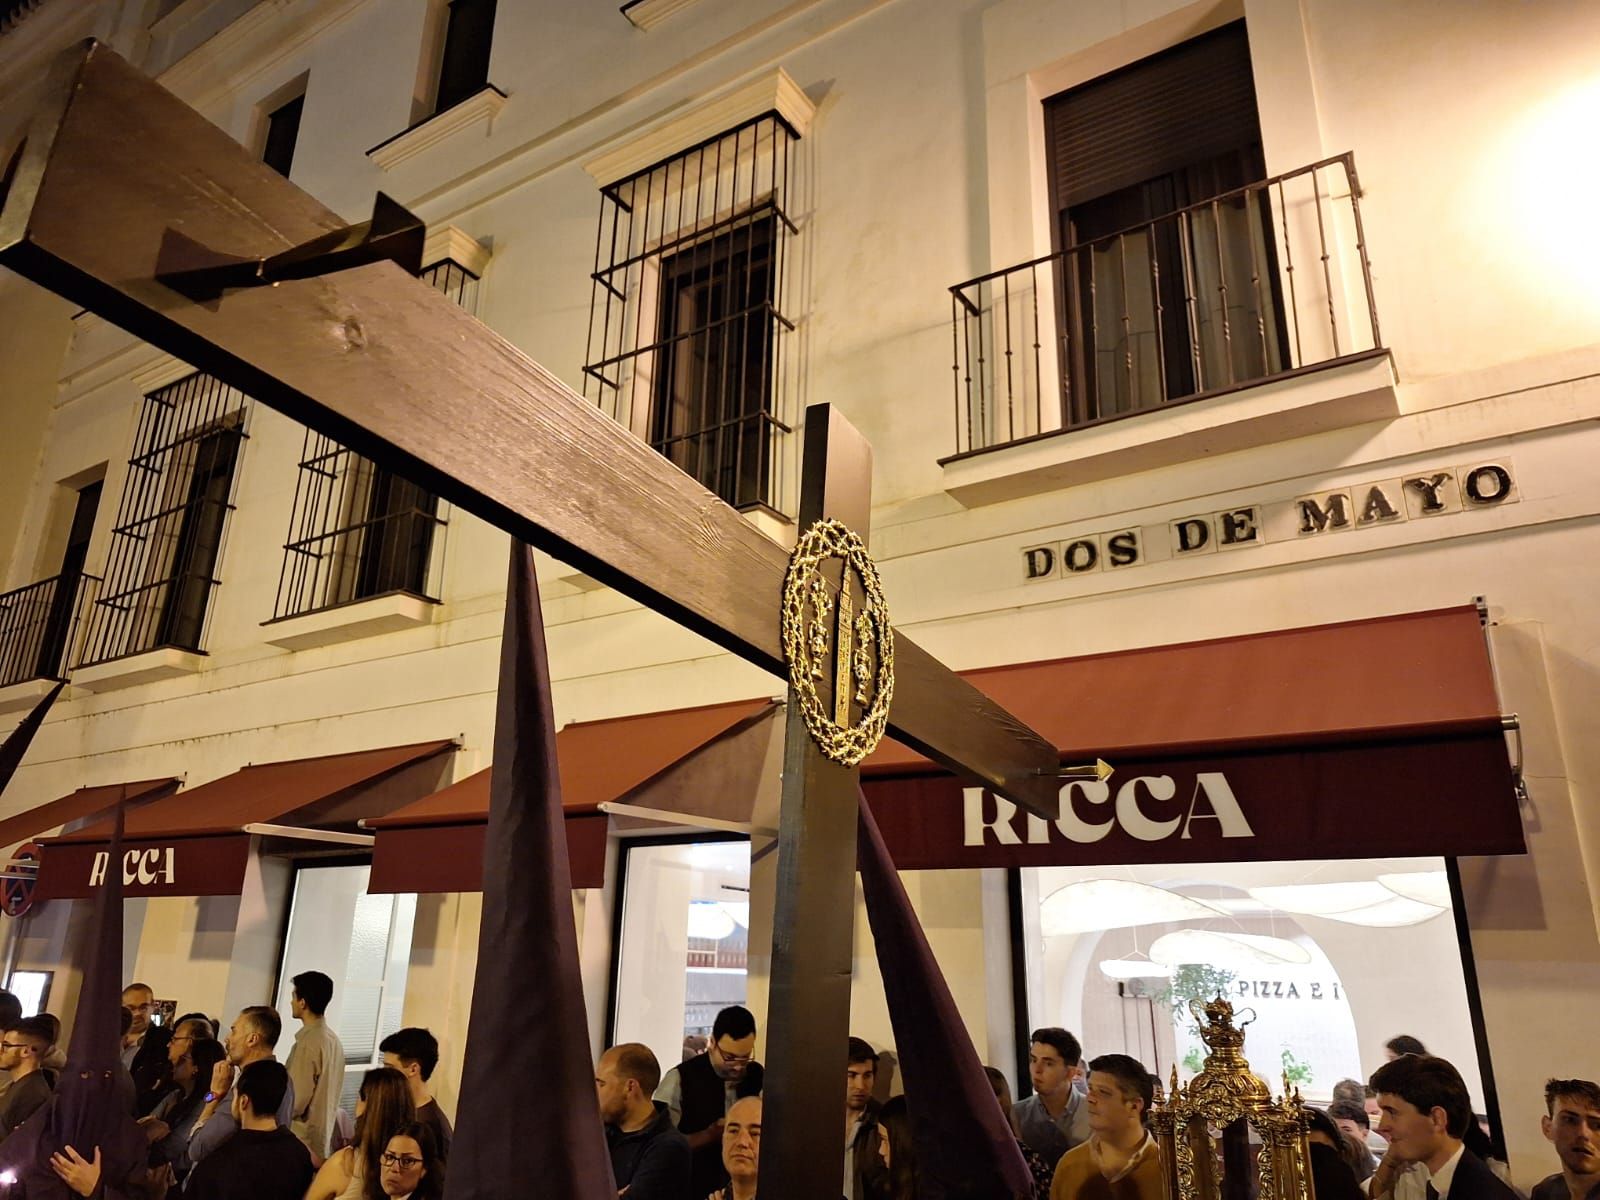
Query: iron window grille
687,312
171,522
40,625
358,530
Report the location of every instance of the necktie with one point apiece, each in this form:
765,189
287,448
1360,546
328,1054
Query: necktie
1433,1192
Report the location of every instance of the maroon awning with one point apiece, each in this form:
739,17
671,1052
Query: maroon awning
436,843
80,805
1375,738
194,843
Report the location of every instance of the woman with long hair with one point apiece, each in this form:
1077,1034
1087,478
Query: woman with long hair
899,1149
171,1125
383,1107
409,1167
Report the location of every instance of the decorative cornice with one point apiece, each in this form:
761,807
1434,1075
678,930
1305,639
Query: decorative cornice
647,14
479,108
253,43
159,373
772,92
447,241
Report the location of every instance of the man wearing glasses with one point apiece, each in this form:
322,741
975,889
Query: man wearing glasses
699,1091
22,1052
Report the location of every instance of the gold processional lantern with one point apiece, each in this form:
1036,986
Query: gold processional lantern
1211,1128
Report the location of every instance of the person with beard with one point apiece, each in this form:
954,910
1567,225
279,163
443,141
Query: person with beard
1572,1123
22,1051
649,1158
862,1164
700,1091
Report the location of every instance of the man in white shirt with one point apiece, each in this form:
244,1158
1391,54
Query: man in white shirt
1424,1111
316,1064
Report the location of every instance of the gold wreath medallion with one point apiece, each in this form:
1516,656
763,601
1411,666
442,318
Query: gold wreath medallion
819,625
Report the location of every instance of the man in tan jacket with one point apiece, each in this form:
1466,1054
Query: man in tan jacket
1120,1161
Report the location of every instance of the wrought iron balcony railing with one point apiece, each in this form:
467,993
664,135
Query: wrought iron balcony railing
41,625
1252,285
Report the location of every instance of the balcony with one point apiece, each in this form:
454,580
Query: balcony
40,629
1238,296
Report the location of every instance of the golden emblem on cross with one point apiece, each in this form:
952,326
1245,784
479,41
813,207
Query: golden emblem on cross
821,627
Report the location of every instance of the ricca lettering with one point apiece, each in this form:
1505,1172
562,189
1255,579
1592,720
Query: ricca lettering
1148,807
154,865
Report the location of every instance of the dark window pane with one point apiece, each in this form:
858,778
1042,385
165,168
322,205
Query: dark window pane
1156,282
194,561
713,387
283,129
398,537
58,620
464,66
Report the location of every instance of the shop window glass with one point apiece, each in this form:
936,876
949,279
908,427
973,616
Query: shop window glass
1331,959
364,944
685,938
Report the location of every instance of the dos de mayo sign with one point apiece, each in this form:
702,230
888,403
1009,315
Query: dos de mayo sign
1432,493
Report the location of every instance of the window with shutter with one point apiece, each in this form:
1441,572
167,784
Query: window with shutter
1145,165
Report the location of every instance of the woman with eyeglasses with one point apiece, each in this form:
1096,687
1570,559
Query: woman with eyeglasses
410,1167
171,1125
383,1108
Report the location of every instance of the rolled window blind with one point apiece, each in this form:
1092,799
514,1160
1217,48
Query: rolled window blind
1182,106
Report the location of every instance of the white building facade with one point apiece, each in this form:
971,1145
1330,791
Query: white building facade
1168,324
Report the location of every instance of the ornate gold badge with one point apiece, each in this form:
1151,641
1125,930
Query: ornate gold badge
820,627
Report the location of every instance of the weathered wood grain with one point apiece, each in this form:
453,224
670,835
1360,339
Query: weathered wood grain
120,182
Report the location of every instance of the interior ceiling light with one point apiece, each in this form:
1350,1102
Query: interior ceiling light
1133,968
1092,905
708,919
1425,887
1214,948
1387,914
1356,902
1323,899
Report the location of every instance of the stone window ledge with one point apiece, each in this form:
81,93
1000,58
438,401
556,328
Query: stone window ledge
388,613
18,697
1338,395
480,108
165,662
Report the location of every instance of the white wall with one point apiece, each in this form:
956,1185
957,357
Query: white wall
924,168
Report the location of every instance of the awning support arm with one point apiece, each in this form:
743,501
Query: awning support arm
310,835
613,809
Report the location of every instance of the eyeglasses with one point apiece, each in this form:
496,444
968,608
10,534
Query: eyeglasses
13,1045
404,1161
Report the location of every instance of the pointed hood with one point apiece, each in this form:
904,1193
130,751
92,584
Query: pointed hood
20,738
965,1148
528,1116
93,1102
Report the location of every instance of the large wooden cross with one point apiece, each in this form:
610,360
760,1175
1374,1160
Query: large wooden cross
129,203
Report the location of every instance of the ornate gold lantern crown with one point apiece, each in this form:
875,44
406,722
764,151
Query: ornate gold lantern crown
1224,1094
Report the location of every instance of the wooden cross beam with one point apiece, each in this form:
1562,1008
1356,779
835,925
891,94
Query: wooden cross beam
128,202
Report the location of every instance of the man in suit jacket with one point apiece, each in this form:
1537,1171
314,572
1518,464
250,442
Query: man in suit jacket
1424,1111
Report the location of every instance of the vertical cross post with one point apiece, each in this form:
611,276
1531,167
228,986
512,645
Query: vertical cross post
808,1012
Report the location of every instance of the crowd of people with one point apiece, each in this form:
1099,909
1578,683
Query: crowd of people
225,1120
1409,1133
